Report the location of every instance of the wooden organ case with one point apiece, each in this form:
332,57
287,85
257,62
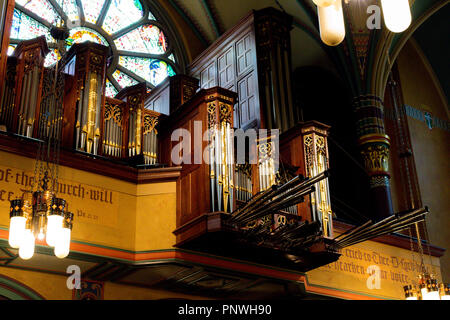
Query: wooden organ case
271,207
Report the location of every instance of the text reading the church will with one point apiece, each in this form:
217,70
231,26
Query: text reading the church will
84,199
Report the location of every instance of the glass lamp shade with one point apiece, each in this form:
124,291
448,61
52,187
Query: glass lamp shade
16,231
55,220
62,247
397,14
445,292
431,295
324,3
332,26
27,245
54,228
410,292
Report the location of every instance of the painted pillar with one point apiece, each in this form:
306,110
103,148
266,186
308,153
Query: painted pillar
374,146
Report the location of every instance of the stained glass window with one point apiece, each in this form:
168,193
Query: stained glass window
127,26
110,90
80,35
51,58
42,8
121,14
123,79
145,39
25,27
152,70
92,9
70,8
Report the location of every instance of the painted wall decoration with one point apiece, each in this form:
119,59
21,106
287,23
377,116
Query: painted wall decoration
90,290
90,204
374,270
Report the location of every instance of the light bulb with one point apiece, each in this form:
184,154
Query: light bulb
431,295
54,227
424,292
397,14
323,3
16,231
62,247
331,21
27,244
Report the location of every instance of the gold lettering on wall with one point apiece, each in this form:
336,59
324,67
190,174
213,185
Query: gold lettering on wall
89,204
355,270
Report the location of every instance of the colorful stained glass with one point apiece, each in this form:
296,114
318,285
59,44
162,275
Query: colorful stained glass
146,39
92,9
110,90
81,34
172,57
11,49
121,14
25,27
51,58
70,8
123,79
152,70
41,8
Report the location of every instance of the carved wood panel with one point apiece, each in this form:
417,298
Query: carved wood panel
245,53
247,98
208,77
226,68
231,63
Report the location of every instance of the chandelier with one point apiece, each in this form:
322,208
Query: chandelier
397,18
427,287
40,214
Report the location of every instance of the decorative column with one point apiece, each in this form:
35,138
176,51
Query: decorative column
375,150
273,42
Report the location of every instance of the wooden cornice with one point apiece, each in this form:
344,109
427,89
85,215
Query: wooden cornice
396,240
119,170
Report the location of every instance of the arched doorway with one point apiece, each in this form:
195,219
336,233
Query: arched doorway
11,289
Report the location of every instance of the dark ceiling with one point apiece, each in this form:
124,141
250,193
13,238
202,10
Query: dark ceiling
434,39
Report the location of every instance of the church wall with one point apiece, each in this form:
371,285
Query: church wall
108,212
431,146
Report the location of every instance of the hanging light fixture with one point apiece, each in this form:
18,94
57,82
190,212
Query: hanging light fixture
397,18
332,25
444,291
428,288
397,14
39,213
323,3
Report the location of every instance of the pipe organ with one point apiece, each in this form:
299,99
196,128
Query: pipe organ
113,128
22,91
220,123
118,128
243,182
90,76
8,95
316,162
150,137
